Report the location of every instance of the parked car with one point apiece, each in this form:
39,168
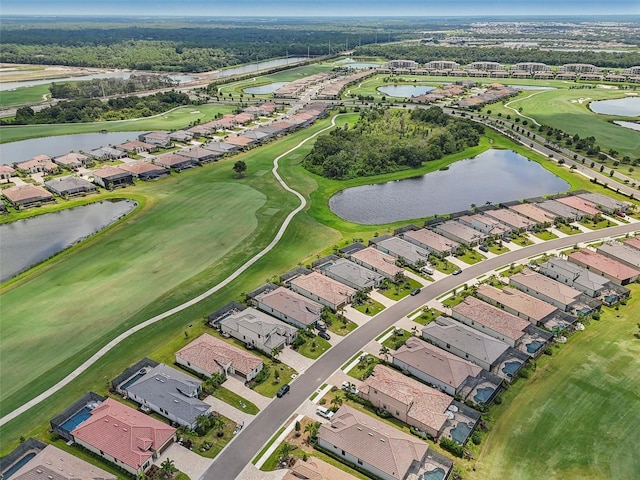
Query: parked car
350,387
284,389
324,335
427,270
415,291
457,272
321,326
324,412
483,248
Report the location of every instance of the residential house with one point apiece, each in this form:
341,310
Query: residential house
605,203
180,136
256,135
614,270
107,153
517,303
460,233
6,172
511,219
322,289
315,469
53,463
374,446
221,147
283,126
72,160
112,177
620,252
208,355
431,242
575,276
136,146
290,307
243,118
28,195
633,242
121,435
534,213
201,155
406,399
585,206
38,164
258,330
487,225
170,393
402,250
161,139
352,274
377,261
145,170
70,186
175,161
239,140
561,211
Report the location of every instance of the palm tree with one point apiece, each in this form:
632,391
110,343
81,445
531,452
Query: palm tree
218,423
275,352
312,430
337,401
285,451
384,351
167,468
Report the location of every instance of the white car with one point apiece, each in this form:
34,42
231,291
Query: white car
324,412
350,387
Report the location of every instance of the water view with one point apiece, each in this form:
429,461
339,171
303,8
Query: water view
60,145
493,176
405,91
625,107
30,241
254,67
631,125
265,89
4,86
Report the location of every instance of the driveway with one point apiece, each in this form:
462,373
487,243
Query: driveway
192,464
237,386
296,361
229,411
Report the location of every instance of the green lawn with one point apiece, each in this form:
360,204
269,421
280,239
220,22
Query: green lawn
545,235
340,328
471,257
211,444
314,347
568,229
576,417
370,307
427,315
597,225
364,365
498,249
235,400
443,265
20,96
395,341
522,239
511,270
271,385
398,292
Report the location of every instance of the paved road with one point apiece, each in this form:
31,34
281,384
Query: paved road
248,443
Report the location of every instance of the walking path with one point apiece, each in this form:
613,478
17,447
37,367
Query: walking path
123,336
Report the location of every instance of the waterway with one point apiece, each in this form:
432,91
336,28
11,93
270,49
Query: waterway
624,107
631,125
405,91
254,67
30,241
60,145
493,176
265,89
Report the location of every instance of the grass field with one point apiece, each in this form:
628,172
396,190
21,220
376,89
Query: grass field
577,416
35,94
177,118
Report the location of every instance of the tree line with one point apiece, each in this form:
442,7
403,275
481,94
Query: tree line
103,87
385,140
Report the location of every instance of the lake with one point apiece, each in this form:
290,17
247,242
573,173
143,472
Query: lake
60,145
631,125
254,67
28,242
495,176
265,89
624,107
405,91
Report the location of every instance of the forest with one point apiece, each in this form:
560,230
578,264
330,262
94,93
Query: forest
387,140
92,110
103,87
507,56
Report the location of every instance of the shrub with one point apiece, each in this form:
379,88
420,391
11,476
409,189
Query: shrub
452,447
596,315
497,400
476,438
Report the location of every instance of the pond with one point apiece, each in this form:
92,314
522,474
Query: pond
60,145
405,91
494,176
624,107
631,125
265,89
30,241
254,67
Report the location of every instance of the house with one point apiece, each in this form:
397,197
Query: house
511,219
620,252
534,213
72,161
53,463
377,261
460,233
136,146
28,195
490,320
70,186
239,140
633,242
76,413
406,399
170,393
402,250
614,270
107,153
180,136
208,355
256,135
221,147
374,446
487,225
580,204
575,276
315,469
290,307
112,177
38,164
258,330
145,170
516,302
6,172
561,211
605,202
322,289
243,118
121,435
175,161
431,242
201,155
161,139
352,274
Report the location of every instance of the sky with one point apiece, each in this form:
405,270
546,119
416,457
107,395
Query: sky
326,8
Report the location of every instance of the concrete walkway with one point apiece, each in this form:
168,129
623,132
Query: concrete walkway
378,297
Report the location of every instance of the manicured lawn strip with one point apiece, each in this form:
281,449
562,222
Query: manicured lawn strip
398,292
427,315
89,457
357,355
604,223
218,443
314,347
370,307
384,333
235,400
545,235
177,118
363,366
268,444
574,417
270,386
340,328
512,270
568,229
498,249
396,341
19,96
522,240
471,257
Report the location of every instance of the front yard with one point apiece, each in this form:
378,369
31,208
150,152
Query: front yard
442,265
313,347
397,292
427,315
211,442
567,229
596,223
522,239
276,374
363,367
471,257
498,249
235,400
338,324
370,307
545,235
396,339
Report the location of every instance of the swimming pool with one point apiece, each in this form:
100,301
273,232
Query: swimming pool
510,368
460,432
437,474
18,465
611,299
534,346
483,394
133,379
76,419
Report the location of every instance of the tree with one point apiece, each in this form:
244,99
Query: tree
167,468
337,401
240,167
218,423
275,352
297,428
312,430
285,452
384,351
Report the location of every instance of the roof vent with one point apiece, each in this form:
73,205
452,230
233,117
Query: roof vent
382,440
359,428
115,425
370,434
39,471
106,420
124,429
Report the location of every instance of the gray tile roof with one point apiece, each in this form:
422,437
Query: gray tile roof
401,248
581,278
354,273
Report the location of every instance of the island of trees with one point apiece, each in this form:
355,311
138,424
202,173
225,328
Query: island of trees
386,140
